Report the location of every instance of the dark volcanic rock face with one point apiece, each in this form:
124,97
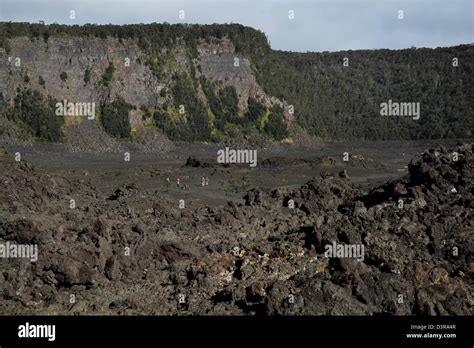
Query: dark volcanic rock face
266,256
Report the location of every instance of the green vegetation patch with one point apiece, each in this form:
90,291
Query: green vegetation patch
37,115
114,118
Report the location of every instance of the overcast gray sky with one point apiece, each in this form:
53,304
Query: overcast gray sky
318,25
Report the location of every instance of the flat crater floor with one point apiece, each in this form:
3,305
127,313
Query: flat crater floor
369,164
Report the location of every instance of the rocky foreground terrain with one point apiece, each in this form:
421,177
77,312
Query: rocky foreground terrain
126,251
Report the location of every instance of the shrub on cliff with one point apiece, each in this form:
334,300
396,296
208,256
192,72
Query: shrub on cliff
115,120
108,74
276,126
255,110
37,114
229,104
63,76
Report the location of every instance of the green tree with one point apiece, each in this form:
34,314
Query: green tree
108,74
115,119
255,110
276,126
229,103
38,115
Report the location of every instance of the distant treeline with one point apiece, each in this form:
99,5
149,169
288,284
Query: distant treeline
148,36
